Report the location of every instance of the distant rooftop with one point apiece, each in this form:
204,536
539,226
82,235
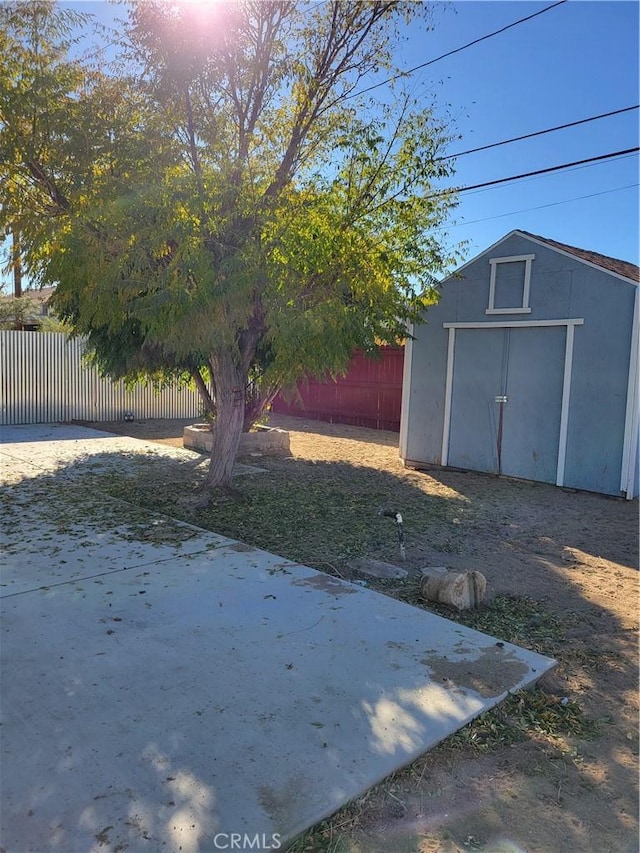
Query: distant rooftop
41,295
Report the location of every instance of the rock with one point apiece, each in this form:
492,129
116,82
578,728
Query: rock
430,570
462,590
379,569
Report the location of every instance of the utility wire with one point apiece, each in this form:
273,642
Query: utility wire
600,157
455,50
574,169
538,133
541,206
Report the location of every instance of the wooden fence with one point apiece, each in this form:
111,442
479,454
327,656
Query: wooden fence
44,379
370,394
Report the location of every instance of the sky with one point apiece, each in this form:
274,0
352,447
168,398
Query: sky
574,61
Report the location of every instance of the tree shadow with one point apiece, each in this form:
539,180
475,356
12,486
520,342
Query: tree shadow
325,515
547,519
309,426
149,429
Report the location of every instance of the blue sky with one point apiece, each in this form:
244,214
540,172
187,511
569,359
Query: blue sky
572,62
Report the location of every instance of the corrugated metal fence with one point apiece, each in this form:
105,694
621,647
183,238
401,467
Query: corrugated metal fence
44,379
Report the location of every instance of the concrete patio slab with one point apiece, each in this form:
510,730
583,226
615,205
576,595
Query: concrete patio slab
196,690
46,549
54,447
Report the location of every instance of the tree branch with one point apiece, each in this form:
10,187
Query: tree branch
201,385
191,135
48,184
333,60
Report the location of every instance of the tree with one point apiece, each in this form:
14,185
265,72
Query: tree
237,212
24,312
16,264
37,90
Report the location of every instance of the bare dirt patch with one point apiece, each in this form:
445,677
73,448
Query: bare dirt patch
570,557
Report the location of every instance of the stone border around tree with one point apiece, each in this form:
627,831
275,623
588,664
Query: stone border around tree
269,441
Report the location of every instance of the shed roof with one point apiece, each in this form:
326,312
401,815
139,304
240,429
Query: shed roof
615,265
624,270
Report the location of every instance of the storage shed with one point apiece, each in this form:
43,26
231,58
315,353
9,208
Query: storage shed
528,367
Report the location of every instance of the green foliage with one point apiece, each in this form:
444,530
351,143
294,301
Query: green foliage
217,192
38,105
16,313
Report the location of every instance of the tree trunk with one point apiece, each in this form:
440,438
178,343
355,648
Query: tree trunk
226,427
16,261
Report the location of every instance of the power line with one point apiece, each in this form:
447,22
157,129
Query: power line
497,181
541,206
455,50
539,133
574,169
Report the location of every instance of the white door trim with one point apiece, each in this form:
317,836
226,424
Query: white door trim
511,324
564,411
405,406
448,391
630,441
570,324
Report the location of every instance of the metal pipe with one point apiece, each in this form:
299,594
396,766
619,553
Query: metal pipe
389,513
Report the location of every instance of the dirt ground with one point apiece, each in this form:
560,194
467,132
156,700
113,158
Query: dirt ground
577,553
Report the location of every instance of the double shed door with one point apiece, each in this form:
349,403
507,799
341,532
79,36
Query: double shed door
526,366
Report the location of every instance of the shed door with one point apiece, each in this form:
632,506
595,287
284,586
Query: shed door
527,366
478,369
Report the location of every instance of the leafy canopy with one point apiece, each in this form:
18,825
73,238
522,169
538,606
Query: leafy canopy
222,188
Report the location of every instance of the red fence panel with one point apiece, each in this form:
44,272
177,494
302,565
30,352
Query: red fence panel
369,395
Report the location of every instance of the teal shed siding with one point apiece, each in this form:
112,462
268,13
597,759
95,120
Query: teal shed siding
567,418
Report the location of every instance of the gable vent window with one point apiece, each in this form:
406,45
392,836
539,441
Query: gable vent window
510,285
